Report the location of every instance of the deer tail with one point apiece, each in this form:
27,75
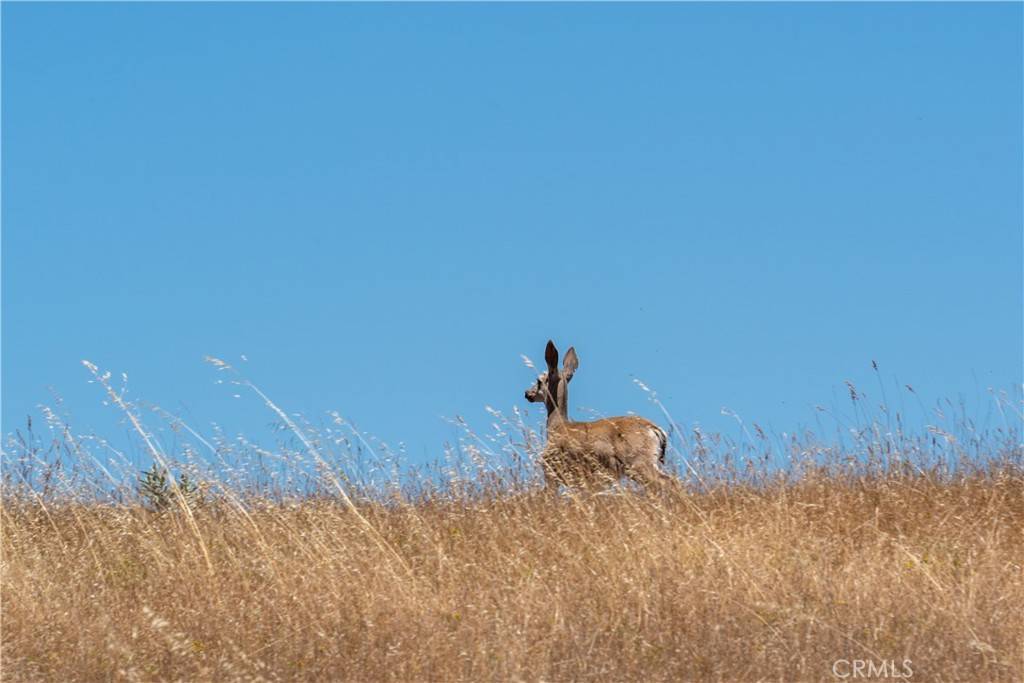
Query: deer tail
662,443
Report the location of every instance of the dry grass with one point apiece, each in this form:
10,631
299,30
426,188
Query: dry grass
739,583
779,558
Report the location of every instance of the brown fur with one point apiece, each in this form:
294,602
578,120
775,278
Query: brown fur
590,454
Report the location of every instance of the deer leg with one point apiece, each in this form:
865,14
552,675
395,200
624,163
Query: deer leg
552,478
651,477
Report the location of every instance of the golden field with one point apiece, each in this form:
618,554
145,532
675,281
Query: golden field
880,554
913,571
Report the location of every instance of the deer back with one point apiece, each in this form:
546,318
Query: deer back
612,447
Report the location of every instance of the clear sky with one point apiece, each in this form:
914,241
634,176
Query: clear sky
381,207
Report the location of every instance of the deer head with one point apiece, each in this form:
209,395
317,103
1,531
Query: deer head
552,387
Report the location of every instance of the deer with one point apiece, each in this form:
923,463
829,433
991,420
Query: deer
592,453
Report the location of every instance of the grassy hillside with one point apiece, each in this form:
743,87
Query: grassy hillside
881,553
736,582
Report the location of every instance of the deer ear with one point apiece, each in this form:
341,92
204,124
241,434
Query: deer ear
551,356
570,363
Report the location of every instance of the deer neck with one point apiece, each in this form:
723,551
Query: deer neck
556,420
558,410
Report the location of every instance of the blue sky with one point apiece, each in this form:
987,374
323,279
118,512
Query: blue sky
381,207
